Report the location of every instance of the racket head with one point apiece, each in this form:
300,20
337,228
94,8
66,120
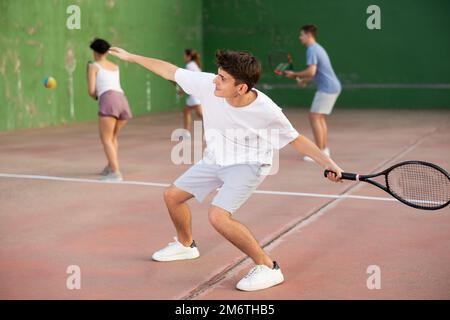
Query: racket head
279,61
419,184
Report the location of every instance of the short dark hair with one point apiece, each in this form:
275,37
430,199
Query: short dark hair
242,65
309,28
100,46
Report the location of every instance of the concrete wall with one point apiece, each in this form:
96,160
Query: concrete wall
35,42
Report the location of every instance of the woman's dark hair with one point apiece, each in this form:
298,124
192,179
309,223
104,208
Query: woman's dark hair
100,46
243,66
193,56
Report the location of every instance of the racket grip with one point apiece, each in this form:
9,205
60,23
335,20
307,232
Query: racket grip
345,175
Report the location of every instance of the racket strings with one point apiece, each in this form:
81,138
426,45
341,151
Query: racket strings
420,185
278,61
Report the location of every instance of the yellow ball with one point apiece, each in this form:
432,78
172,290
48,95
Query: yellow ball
49,82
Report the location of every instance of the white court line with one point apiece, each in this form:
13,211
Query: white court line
320,195
164,185
35,177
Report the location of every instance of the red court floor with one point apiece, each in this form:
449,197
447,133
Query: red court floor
323,244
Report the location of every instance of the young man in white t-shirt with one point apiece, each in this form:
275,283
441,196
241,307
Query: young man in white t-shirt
230,105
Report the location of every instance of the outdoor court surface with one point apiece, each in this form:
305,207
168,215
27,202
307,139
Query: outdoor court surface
323,243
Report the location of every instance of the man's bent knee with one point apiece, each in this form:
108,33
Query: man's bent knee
173,195
218,216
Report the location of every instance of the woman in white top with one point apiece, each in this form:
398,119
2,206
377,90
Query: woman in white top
192,59
114,110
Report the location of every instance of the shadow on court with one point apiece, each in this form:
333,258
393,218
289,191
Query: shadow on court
324,244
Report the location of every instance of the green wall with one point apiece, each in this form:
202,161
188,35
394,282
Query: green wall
34,42
412,46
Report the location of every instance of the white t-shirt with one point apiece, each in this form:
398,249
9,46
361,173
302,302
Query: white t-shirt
236,135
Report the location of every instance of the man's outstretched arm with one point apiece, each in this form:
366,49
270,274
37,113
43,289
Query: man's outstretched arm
161,68
305,146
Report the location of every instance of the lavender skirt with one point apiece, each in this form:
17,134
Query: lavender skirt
114,104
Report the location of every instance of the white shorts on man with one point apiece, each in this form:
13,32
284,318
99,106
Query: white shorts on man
324,102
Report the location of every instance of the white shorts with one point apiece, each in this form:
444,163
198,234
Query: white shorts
236,182
192,101
324,102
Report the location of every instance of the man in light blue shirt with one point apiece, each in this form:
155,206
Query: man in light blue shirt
328,86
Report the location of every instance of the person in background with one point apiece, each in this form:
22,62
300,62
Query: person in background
114,110
328,86
193,63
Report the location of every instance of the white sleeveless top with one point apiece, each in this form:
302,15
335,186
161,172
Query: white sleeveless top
107,80
193,66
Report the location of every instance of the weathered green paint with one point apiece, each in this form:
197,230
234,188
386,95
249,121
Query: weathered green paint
411,48
34,42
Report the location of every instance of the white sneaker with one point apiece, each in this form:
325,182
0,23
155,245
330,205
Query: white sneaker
309,159
261,277
105,171
176,251
113,177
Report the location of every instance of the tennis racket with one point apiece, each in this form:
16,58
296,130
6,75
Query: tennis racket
280,61
418,184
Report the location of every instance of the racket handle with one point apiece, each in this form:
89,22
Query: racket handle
344,175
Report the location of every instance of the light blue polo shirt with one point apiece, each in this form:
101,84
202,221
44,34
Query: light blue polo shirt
325,77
